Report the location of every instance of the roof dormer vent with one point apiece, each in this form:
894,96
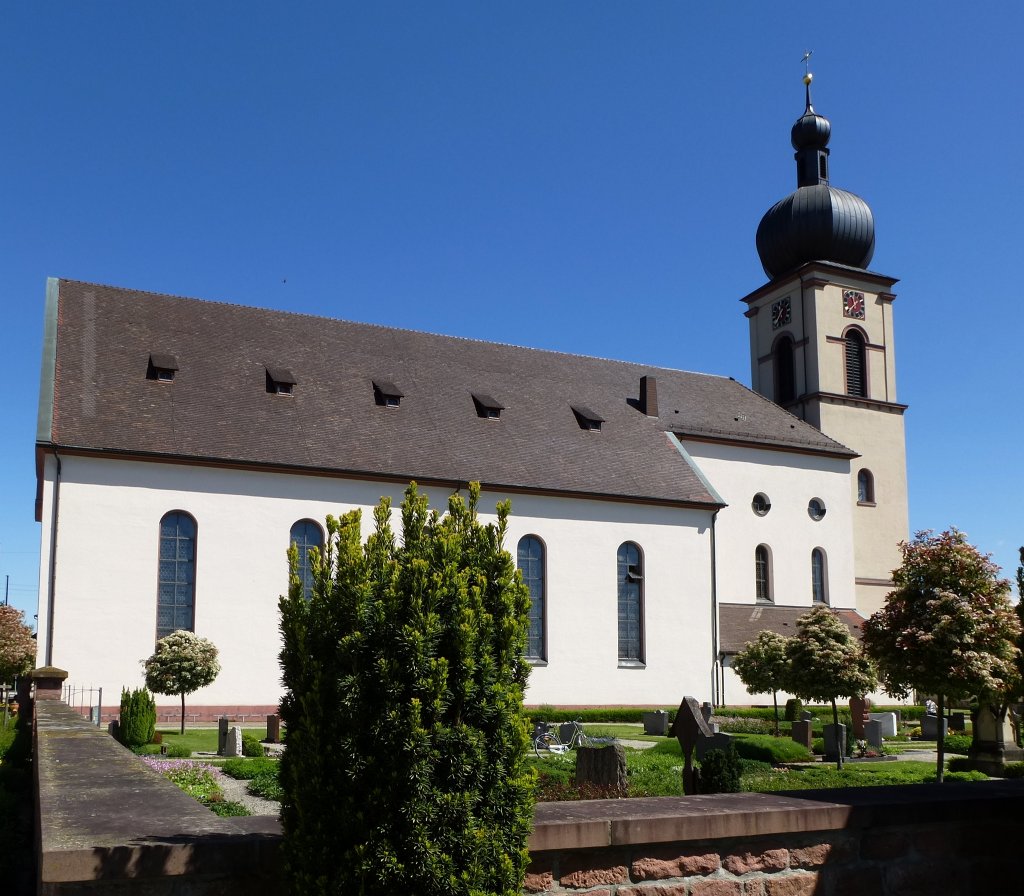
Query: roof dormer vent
587,418
387,394
161,367
280,381
487,407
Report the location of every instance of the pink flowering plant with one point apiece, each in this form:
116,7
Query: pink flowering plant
197,779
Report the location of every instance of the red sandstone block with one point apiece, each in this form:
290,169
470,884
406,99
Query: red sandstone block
942,841
655,890
594,877
810,856
883,846
745,862
800,884
538,882
855,880
650,868
921,879
716,887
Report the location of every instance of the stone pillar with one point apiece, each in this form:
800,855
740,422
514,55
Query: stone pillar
222,735
49,682
273,729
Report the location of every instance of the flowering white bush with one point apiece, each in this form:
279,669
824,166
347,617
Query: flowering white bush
183,663
17,646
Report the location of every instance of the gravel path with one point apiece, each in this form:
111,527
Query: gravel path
237,791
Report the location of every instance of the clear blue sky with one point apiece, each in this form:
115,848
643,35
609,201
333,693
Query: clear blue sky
530,172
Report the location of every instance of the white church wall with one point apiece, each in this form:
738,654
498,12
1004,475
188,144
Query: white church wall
106,578
789,480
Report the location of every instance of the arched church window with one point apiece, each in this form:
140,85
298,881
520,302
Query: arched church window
856,367
530,560
306,534
865,487
819,581
762,574
785,374
630,575
176,574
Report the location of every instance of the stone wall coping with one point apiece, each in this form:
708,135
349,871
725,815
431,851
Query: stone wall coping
105,815
602,823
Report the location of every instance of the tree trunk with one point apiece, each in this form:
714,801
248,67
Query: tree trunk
840,741
940,762
775,700
182,712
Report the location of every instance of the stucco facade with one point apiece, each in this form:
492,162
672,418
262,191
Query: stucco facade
104,603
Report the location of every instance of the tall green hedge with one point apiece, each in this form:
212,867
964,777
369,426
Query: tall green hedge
137,723
406,768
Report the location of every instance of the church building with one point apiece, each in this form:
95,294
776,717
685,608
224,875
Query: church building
660,517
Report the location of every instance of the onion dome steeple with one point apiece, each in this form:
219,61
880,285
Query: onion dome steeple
818,222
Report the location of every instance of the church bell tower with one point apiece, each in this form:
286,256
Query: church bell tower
821,341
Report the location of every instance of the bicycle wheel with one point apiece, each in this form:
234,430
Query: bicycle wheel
549,744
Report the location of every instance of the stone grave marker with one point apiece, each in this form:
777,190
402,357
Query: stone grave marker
873,734
688,727
222,735
603,766
930,727
273,729
887,720
834,740
233,746
803,732
717,741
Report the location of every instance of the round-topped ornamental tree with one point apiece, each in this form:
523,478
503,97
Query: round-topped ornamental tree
182,664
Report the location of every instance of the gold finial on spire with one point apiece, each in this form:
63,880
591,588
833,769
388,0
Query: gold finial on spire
808,77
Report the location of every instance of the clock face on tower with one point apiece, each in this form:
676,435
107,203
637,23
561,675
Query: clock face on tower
781,313
853,304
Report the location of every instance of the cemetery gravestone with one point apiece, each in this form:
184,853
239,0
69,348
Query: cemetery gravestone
716,741
655,722
604,767
688,727
222,735
833,740
233,747
930,727
273,729
803,733
873,734
887,720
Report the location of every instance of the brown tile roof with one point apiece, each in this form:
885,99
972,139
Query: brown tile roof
218,407
739,624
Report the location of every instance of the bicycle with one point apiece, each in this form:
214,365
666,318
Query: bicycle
545,738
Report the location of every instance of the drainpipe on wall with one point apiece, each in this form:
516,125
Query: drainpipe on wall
50,603
715,694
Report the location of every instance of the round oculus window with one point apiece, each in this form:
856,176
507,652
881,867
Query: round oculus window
760,505
816,509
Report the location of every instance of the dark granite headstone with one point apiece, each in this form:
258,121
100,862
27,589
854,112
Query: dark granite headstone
833,742
273,729
688,727
717,741
803,733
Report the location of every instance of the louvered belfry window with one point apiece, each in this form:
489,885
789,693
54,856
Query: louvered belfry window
856,374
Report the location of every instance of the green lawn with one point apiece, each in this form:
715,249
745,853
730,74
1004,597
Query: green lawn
198,740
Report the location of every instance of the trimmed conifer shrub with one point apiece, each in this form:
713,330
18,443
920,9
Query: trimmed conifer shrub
720,771
406,769
138,717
